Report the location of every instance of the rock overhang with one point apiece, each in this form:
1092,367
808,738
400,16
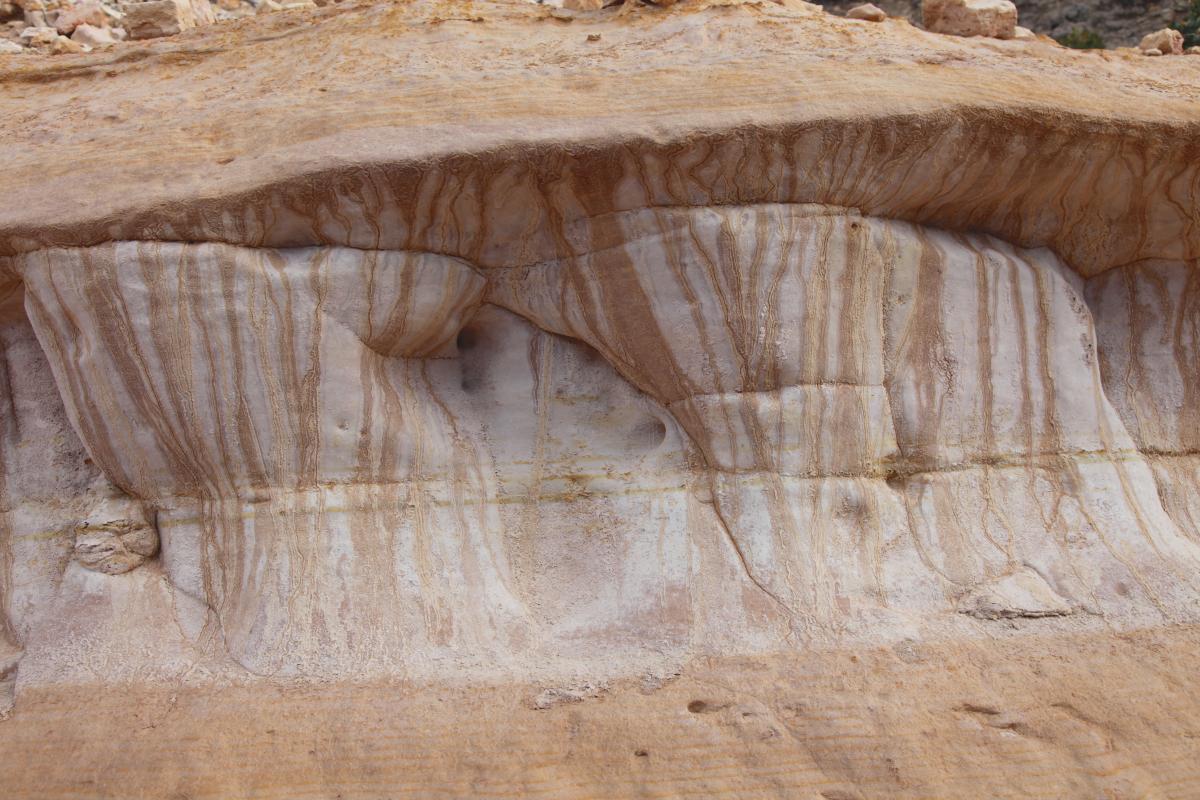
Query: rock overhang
1095,157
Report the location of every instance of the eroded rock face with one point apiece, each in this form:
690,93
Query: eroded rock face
575,410
858,416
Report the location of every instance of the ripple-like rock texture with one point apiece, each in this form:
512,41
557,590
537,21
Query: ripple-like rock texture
480,399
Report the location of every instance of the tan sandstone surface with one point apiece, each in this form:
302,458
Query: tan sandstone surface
479,399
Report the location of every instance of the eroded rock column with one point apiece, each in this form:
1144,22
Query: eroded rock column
761,330
1019,478
287,416
1148,322
890,414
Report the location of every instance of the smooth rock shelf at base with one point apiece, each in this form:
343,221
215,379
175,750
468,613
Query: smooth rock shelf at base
1011,716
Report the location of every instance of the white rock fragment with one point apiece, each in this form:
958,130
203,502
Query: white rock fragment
1024,34
994,18
867,11
1165,41
93,36
558,695
35,35
10,48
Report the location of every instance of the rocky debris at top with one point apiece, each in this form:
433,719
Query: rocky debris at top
84,25
1166,42
49,26
1113,23
994,18
103,23
868,11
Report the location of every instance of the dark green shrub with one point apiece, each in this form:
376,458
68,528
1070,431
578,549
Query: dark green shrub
1083,39
1190,27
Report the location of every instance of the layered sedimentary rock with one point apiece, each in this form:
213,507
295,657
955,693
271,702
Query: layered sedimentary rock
717,374
851,377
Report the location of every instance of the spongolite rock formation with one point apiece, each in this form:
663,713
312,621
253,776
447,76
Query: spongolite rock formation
456,400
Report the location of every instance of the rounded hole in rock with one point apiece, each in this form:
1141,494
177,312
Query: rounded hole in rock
649,433
469,339
466,339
